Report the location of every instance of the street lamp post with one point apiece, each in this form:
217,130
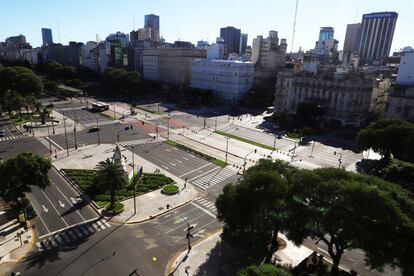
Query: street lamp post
66,136
76,141
313,146
227,147
274,144
133,175
98,130
245,159
293,153
53,126
339,159
50,143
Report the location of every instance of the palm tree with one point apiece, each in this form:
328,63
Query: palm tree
110,177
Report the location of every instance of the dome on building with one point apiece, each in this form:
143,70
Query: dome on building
407,49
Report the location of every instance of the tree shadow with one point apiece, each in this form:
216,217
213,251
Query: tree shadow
225,259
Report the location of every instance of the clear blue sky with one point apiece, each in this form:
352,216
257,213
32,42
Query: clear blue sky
192,20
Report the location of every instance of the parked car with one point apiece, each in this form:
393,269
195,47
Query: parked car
94,129
2,133
30,211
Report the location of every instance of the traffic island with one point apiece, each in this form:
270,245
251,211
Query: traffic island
170,189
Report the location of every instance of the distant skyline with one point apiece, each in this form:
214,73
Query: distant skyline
188,20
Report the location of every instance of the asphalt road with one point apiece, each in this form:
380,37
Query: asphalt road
11,148
107,134
56,206
122,249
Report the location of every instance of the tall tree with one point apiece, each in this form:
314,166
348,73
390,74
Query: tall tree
110,177
252,211
19,173
346,210
263,270
389,137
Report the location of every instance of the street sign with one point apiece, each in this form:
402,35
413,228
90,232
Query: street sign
22,218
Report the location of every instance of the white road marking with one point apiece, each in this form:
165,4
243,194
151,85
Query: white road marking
202,229
77,211
206,211
61,204
175,228
194,170
324,251
55,208
45,209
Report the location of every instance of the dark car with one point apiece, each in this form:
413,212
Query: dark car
30,211
2,133
94,129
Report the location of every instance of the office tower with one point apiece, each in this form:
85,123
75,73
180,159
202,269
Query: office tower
352,37
243,43
326,33
377,31
47,36
152,21
231,37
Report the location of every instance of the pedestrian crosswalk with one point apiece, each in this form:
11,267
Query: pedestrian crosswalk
100,123
72,234
9,138
204,203
212,178
137,142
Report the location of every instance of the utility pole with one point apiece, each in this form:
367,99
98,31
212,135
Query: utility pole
168,127
215,125
245,159
66,136
98,130
204,123
74,126
339,159
76,141
133,175
227,147
53,126
50,143
313,146
274,144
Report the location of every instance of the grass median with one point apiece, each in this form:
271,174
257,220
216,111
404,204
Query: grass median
226,134
213,160
84,179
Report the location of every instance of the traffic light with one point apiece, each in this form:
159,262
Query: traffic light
255,150
142,122
131,127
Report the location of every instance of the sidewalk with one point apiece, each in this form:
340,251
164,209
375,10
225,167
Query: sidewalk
148,205
205,257
15,243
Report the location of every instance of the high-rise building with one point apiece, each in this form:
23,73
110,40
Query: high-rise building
326,33
231,37
47,36
377,31
243,43
152,21
216,50
352,37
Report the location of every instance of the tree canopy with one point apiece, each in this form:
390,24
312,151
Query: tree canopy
253,209
17,85
110,177
389,137
19,173
344,210
119,81
263,270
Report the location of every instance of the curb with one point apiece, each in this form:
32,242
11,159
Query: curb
153,216
18,130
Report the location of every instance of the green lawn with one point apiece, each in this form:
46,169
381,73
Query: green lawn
243,140
22,118
148,183
216,161
149,110
170,189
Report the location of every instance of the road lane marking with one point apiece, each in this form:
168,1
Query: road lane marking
202,230
61,204
324,251
208,212
55,208
77,211
68,228
45,209
54,143
203,174
179,161
186,212
188,221
37,212
180,176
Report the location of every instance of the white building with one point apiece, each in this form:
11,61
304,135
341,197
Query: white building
150,64
217,50
406,69
400,102
229,80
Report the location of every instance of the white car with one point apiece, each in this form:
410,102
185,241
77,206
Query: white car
2,133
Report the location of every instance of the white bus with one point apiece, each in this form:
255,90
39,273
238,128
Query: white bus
99,106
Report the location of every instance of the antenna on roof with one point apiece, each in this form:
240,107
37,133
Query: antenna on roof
294,26
58,30
133,20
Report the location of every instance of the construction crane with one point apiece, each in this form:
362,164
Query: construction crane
294,26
